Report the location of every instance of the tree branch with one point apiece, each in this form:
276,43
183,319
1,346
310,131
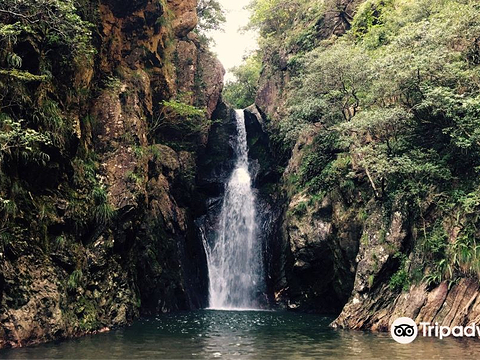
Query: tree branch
18,15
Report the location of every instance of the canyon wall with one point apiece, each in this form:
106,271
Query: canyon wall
345,248
104,231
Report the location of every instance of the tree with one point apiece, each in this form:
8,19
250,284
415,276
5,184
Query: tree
273,16
16,140
241,92
211,15
329,87
50,22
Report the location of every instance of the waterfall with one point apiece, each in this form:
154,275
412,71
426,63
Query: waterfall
235,258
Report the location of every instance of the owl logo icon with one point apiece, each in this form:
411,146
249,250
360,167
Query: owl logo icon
404,330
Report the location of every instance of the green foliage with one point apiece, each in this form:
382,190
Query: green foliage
300,209
49,117
211,15
398,95
55,21
85,171
18,141
89,314
135,178
273,16
330,88
8,208
13,60
319,166
178,122
53,39
60,241
21,75
179,108
241,92
369,16
437,251
404,107
400,280
74,279
103,211
112,83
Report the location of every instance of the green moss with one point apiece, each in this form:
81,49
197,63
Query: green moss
140,151
87,314
60,241
365,239
135,178
362,215
23,75
112,83
400,280
371,279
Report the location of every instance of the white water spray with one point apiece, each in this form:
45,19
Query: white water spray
235,259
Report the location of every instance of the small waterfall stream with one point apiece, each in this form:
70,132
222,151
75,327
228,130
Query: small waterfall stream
235,258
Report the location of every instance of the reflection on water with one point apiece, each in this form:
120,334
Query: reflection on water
244,334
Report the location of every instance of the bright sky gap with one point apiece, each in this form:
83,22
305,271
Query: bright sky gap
232,44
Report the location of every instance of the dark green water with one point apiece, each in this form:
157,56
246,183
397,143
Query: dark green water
244,335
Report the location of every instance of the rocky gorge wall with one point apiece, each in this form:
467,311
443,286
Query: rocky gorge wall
328,256
109,234
342,251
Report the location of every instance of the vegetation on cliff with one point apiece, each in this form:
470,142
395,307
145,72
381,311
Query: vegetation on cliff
43,45
389,90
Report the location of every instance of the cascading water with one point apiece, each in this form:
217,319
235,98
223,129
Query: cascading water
235,258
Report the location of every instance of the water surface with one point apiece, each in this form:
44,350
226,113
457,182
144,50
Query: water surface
244,335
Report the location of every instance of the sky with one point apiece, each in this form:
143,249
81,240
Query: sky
232,44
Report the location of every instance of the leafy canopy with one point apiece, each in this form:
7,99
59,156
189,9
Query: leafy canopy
240,93
211,15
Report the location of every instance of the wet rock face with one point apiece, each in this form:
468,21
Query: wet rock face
262,156
374,304
43,300
309,254
216,163
321,238
212,80
185,16
266,171
119,111
217,159
190,57
313,268
170,265
269,96
313,253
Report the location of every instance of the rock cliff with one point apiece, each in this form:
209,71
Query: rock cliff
107,232
342,249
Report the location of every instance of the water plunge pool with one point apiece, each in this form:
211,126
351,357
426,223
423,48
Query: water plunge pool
207,334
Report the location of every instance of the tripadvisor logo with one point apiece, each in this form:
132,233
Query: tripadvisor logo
404,330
